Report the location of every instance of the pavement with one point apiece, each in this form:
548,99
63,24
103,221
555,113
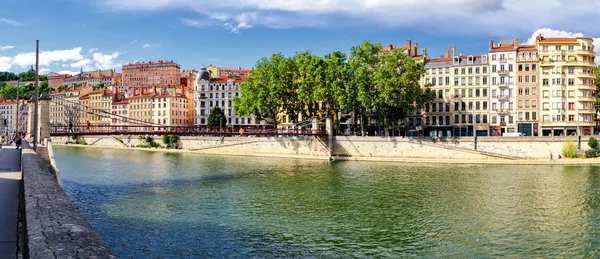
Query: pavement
10,174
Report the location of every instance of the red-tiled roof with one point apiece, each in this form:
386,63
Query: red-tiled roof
527,47
562,39
498,48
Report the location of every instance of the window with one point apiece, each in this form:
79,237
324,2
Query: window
462,71
477,70
456,71
510,67
533,67
493,68
533,79
557,47
470,70
571,47
571,106
484,70
520,79
493,56
484,92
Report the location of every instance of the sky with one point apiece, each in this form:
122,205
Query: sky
106,34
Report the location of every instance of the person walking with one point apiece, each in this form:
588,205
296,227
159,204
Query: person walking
18,142
551,157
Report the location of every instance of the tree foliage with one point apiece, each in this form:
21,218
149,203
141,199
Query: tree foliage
593,142
369,83
216,118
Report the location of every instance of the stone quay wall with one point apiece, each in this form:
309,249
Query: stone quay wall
53,227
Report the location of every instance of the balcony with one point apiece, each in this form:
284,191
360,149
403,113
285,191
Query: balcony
502,60
503,72
585,52
546,63
582,74
503,123
503,111
502,98
586,87
586,98
502,85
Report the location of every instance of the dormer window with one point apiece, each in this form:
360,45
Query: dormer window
456,60
470,59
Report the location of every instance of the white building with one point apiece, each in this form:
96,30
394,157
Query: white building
210,92
502,60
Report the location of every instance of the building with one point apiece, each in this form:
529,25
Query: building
57,110
85,111
71,108
169,108
502,75
8,117
461,87
527,74
140,107
161,74
120,111
210,92
567,90
103,73
80,80
105,80
56,80
106,105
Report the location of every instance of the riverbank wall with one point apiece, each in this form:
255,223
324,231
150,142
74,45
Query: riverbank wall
359,147
52,225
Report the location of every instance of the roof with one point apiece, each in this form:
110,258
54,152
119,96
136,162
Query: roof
85,96
446,62
124,101
502,48
562,39
527,47
4,101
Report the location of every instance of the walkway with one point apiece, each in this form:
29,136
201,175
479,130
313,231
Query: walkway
10,174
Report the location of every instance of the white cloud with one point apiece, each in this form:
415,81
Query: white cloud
10,22
106,61
82,63
148,45
44,71
499,16
6,47
68,72
5,63
550,33
93,50
48,57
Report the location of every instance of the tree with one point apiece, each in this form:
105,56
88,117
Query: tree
60,88
309,77
398,93
362,62
593,142
99,86
597,83
265,90
334,91
8,92
216,118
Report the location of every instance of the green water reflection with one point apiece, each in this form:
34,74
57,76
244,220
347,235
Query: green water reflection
351,209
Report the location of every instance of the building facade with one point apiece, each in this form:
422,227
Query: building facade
503,87
219,92
567,85
461,87
162,74
527,74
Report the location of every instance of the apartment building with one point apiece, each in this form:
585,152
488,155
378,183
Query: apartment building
85,110
502,87
57,109
8,116
170,108
461,87
140,107
211,92
162,74
567,89
527,74
120,111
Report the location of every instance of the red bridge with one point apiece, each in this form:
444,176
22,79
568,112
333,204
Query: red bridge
180,131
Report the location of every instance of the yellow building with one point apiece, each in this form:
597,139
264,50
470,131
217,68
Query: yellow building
461,87
567,85
84,109
140,107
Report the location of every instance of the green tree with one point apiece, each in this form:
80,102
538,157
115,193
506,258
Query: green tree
398,93
265,90
216,118
363,61
8,76
593,142
597,83
61,88
8,92
99,86
309,77
333,91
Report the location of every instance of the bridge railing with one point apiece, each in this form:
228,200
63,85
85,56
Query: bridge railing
177,130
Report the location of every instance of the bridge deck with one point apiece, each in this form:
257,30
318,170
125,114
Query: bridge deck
180,131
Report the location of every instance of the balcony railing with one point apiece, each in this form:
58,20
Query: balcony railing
586,98
502,60
503,84
503,111
583,74
502,97
503,72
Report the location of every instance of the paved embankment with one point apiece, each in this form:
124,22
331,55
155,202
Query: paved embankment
54,228
10,175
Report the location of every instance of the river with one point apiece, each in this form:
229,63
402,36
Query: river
179,205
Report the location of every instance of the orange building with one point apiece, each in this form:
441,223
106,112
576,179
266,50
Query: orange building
162,74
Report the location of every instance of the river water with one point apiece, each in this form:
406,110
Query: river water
171,205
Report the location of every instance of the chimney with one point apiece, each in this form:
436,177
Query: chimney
539,37
154,89
424,50
409,47
390,47
491,44
447,53
415,49
516,42
453,51
441,56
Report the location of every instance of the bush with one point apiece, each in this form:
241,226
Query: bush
141,146
591,153
593,142
83,143
569,149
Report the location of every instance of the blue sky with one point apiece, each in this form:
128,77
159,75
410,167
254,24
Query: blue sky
108,33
